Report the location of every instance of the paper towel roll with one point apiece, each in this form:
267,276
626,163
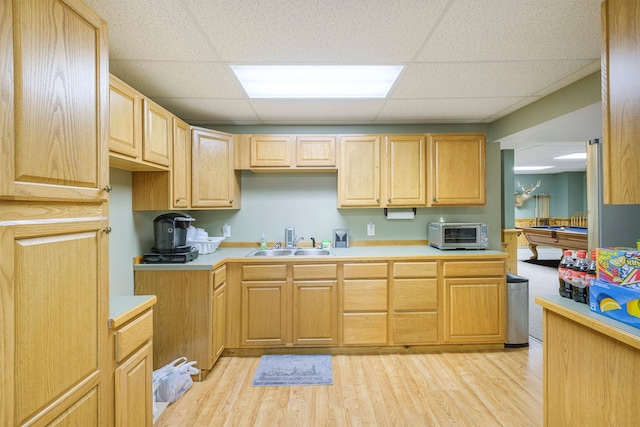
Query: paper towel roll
401,214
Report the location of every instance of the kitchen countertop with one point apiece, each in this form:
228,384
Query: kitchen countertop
581,314
124,308
359,253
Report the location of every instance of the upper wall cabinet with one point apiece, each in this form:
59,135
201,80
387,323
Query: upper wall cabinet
404,170
359,173
54,102
278,153
214,182
400,182
140,131
621,101
456,170
202,175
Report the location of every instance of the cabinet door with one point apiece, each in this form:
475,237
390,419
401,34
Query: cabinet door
270,151
54,116
158,133
315,151
53,288
133,393
474,309
456,170
219,319
181,165
620,101
359,172
125,119
314,312
405,170
264,308
214,183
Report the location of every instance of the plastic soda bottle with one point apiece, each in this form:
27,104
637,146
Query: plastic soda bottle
579,276
564,270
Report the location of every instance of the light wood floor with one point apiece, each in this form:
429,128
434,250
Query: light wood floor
484,388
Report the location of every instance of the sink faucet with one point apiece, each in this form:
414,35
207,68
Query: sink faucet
295,242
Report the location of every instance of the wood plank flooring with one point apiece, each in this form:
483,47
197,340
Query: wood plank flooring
483,388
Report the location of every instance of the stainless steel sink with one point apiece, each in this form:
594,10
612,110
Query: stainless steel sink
271,252
290,252
312,252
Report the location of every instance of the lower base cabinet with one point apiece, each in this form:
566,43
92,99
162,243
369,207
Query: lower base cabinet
474,300
185,320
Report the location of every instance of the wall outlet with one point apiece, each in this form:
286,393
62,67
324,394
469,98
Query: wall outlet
226,230
371,229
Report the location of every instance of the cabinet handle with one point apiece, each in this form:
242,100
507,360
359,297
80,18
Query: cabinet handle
108,189
178,200
107,230
377,200
230,202
389,200
433,200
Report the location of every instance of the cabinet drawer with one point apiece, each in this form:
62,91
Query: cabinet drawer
364,328
415,294
219,276
315,271
415,328
474,268
264,272
365,270
365,295
133,335
415,269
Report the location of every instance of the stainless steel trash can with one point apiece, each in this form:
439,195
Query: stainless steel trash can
517,311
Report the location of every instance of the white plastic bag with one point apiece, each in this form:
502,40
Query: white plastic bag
173,380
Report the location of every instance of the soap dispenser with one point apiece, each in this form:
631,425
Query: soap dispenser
263,241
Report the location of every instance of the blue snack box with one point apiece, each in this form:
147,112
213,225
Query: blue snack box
621,303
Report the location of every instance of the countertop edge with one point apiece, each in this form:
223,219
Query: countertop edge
581,314
124,308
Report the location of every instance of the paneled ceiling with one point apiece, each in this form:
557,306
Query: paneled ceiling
466,61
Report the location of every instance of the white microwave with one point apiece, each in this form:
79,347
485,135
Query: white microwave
457,235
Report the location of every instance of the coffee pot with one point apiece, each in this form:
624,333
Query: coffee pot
170,232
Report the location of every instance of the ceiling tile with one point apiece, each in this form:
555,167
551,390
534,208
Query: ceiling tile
188,79
482,79
317,110
195,111
494,30
311,31
433,110
152,30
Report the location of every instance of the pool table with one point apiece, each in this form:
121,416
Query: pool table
564,237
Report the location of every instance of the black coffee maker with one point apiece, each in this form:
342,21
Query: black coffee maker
170,233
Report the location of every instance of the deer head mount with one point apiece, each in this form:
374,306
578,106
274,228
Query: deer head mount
521,198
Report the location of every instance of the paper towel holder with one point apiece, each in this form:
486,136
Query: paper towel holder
386,211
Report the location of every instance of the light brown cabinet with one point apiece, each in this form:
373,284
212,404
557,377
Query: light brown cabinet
456,170
185,320
202,175
620,101
377,172
140,136
365,303
264,310
359,172
214,181
132,347
289,152
219,313
474,301
405,171
53,210
315,302
415,302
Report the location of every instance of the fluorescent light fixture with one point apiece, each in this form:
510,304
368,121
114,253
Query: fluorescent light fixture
531,168
574,156
317,81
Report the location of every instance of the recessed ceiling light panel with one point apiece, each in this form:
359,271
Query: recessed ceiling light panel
531,168
574,156
317,81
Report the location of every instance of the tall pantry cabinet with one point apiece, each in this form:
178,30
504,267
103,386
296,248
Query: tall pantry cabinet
53,213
